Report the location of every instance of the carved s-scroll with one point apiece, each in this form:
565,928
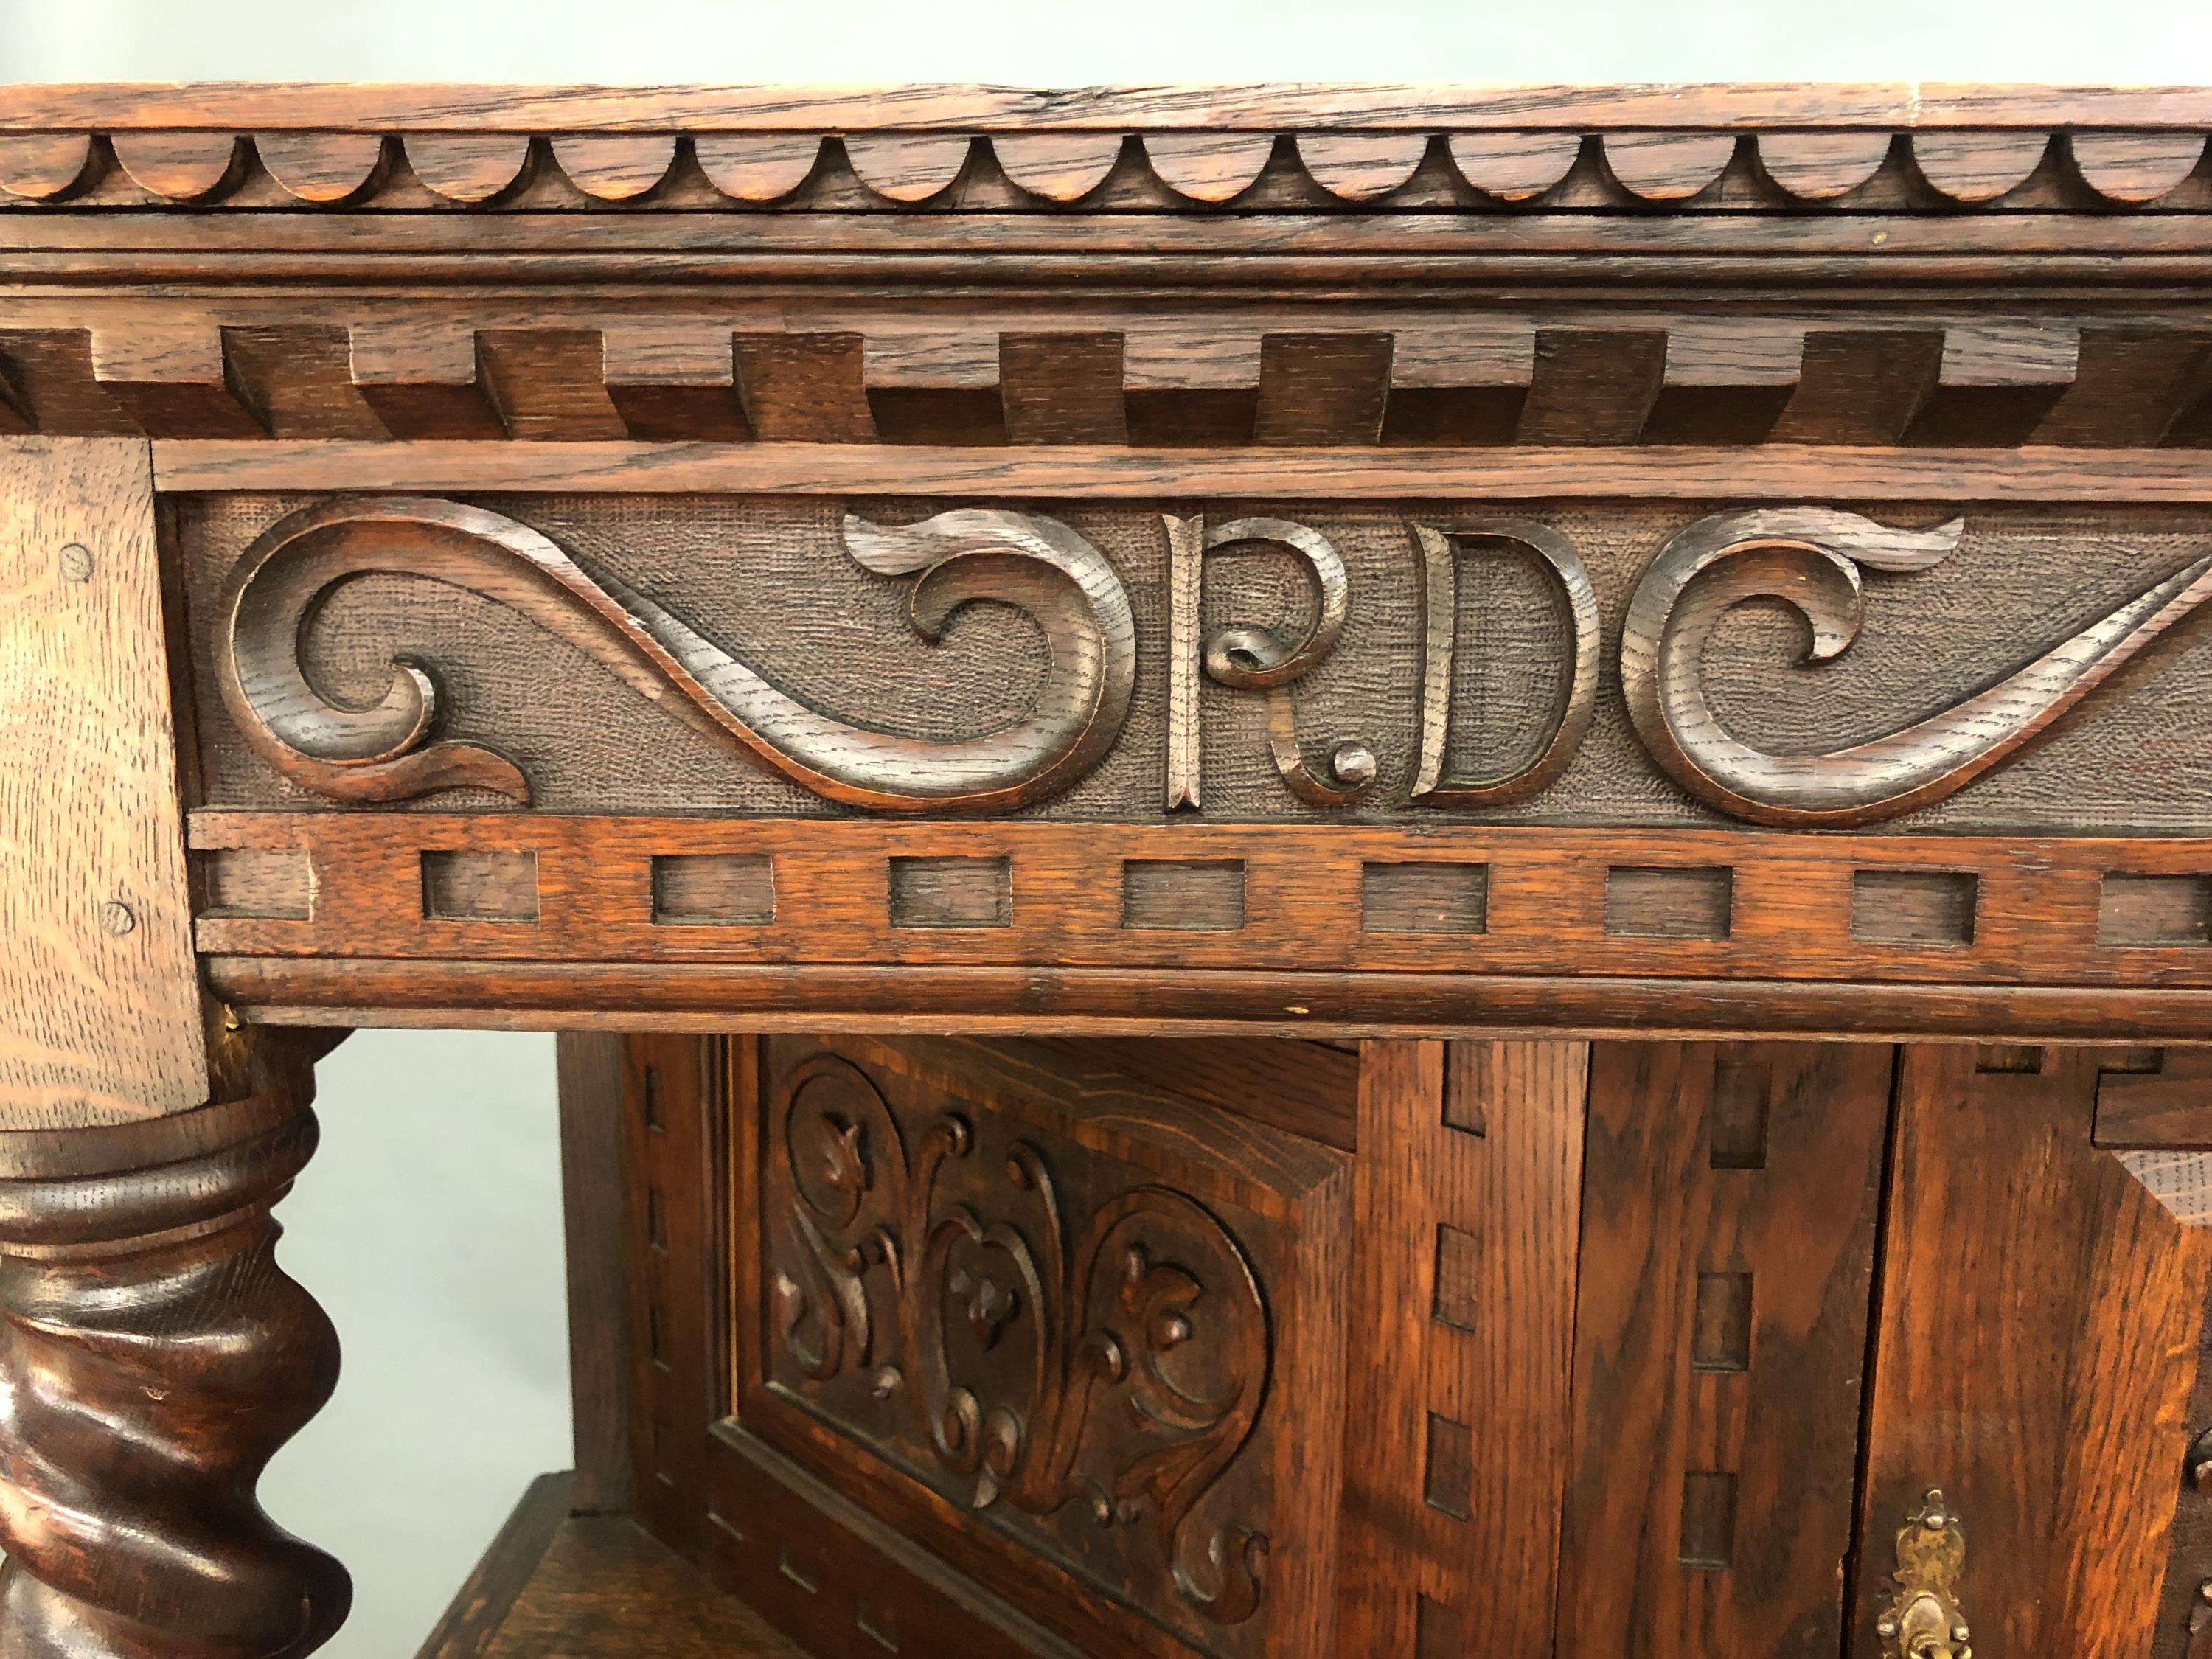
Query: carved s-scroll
1809,559
1246,657
380,754
1436,554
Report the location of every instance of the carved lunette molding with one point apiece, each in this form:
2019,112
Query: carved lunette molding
380,754
896,1241
1495,169
1809,558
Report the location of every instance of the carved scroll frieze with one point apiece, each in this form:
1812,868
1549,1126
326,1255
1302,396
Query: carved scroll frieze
1809,558
1042,1354
1348,691
385,753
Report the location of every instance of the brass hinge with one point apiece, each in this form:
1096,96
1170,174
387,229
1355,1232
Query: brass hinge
1924,1622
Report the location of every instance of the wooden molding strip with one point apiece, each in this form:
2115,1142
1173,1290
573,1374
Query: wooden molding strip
313,107
1195,1002
1275,169
1278,379
524,887
1764,472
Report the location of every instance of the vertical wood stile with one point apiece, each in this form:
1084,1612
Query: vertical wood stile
1466,1217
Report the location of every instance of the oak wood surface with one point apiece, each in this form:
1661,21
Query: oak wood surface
1720,1338
100,1000
589,1086
1195,896
154,1356
317,991
316,106
511,1562
2036,1362
1581,1340
834,1575
1251,1218
557,1586
1479,1141
1695,472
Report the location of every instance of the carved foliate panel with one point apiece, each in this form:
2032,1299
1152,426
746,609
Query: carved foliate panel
1998,667
1087,1323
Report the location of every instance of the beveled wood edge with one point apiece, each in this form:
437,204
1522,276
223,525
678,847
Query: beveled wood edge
472,1620
308,106
1196,1002
1753,472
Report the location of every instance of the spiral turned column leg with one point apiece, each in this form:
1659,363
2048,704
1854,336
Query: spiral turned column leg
153,1358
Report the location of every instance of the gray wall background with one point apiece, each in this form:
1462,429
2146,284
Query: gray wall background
429,1225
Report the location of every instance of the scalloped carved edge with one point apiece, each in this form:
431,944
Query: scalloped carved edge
1951,168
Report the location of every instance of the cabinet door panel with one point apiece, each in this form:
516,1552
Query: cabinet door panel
1730,1207
2041,1309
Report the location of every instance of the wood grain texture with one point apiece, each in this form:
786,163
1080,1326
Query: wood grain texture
471,1624
1457,1429
2037,1365
557,1587
1774,472
593,1207
831,1574
675,1092
153,1358
1230,1227
317,991
97,984
1711,1500
1233,896
926,107
2157,1099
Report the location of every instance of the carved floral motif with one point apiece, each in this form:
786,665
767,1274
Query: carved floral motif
1117,1359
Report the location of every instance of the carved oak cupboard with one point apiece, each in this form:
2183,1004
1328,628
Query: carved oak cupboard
1332,871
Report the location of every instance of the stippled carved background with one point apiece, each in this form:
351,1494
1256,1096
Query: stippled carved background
769,580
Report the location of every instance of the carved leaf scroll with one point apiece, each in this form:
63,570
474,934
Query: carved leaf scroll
900,1248
1809,558
383,753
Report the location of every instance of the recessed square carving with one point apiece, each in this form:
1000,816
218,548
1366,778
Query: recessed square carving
1189,896
952,893
2154,910
1448,1483
1423,898
1720,1326
1913,906
1708,1521
272,886
1463,1108
480,886
710,890
1456,1262
1736,1118
2009,1057
1438,1632
1669,903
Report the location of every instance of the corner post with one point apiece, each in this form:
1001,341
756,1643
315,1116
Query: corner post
153,1357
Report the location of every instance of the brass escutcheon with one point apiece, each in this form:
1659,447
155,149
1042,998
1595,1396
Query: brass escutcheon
1924,1621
